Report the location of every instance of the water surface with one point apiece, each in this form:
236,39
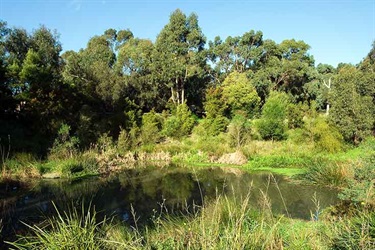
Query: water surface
148,191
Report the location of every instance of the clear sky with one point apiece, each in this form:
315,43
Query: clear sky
336,30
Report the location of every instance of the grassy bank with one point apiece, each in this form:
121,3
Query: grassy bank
283,157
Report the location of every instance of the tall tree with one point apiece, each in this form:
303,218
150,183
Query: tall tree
240,53
41,78
351,112
179,56
6,98
135,65
286,67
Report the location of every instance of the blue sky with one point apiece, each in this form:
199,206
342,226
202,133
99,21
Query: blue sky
336,30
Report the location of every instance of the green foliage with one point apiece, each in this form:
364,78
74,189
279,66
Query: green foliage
356,233
271,125
239,130
324,172
214,126
215,121
179,124
351,112
360,189
105,143
65,145
224,223
213,104
326,136
178,56
240,53
240,95
21,164
281,161
151,127
295,114
124,141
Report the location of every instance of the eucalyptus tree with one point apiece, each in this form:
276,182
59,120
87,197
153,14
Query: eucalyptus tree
41,91
285,67
179,58
135,63
15,44
319,88
101,90
240,53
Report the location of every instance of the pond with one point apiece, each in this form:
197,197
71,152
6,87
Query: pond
147,191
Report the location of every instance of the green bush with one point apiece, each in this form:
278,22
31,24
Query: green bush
64,145
295,114
271,125
240,95
326,136
124,142
179,124
239,130
151,127
214,126
105,143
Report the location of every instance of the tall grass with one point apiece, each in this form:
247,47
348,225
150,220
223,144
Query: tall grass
222,223
327,173
357,232
69,230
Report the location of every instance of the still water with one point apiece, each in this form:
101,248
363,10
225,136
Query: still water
149,190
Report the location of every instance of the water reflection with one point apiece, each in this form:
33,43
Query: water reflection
148,190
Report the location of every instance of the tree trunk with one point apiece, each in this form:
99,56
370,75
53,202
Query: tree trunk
182,95
173,95
329,89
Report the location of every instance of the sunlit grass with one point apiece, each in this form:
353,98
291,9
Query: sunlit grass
221,223
76,229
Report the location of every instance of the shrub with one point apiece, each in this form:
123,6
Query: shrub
325,136
271,125
179,124
295,114
214,126
65,145
151,127
124,141
239,94
239,130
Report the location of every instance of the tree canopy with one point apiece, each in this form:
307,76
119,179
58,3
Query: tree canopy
109,85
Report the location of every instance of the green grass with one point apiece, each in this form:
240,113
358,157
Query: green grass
77,229
223,223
